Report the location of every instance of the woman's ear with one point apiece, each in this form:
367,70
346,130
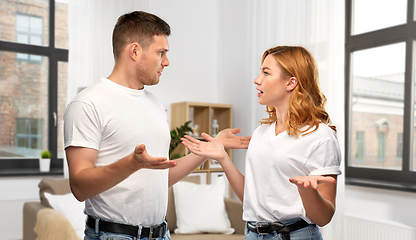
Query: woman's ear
291,84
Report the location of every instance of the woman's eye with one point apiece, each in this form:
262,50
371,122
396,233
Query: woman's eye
266,73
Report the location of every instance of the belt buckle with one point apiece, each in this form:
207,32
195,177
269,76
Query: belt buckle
265,226
277,225
151,233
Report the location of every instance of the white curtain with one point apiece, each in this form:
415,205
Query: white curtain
91,24
317,25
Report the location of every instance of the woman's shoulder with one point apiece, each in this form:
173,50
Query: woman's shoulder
322,130
264,127
326,128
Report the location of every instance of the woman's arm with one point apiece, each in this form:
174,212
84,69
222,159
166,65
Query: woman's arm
214,149
318,196
187,164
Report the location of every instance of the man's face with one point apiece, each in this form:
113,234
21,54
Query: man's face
153,61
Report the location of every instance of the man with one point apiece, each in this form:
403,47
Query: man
117,138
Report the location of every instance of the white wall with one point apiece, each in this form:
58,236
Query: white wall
380,204
235,85
192,73
15,191
208,58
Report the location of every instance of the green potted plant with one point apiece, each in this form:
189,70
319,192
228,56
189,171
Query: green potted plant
45,161
175,138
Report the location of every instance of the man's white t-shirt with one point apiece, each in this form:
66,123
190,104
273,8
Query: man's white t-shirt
271,160
113,120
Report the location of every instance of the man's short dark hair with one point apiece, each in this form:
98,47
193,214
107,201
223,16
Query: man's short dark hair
138,27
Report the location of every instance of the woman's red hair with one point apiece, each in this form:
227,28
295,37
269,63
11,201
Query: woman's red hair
307,102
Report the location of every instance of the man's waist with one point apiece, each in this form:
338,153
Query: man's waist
142,218
151,232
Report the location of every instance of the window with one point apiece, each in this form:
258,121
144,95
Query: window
359,153
381,147
380,94
29,31
33,91
29,134
399,149
366,21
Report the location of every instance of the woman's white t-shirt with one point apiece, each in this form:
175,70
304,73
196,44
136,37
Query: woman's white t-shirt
271,160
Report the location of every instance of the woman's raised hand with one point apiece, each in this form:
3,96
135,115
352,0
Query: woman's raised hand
212,148
230,141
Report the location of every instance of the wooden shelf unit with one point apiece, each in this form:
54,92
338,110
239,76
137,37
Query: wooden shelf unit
202,114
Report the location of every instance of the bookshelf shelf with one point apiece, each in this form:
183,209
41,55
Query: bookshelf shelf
202,114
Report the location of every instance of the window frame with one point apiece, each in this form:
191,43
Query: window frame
27,166
404,179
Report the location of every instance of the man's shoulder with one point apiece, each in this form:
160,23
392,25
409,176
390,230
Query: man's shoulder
91,92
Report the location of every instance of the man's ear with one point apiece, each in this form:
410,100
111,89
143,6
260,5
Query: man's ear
292,83
134,50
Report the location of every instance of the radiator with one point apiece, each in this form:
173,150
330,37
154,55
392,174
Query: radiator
361,228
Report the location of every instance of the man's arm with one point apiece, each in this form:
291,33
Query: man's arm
185,166
87,180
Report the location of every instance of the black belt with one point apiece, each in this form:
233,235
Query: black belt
147,232
271,227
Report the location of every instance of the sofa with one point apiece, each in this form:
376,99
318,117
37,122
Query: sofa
42,222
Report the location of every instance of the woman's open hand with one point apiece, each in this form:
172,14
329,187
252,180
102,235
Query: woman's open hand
230,141
213,148
311,181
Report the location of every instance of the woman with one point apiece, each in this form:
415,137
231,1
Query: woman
293,158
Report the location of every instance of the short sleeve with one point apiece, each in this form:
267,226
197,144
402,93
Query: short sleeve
325,159
81,126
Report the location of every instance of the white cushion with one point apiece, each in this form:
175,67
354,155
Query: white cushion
71,208
200,208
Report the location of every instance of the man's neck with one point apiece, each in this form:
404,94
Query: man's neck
124,79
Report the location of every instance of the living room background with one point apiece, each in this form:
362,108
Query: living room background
215,51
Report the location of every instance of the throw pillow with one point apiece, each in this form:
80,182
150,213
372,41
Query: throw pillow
71,208
200,208
52,186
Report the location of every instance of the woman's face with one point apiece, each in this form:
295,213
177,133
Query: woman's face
271,84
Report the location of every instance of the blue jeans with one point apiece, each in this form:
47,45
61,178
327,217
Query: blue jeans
90,234
310,232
